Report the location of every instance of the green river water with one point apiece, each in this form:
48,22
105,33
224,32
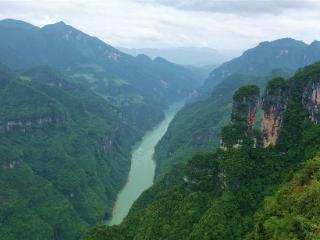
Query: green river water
142,167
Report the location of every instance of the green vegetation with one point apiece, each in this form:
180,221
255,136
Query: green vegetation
248,92
293,212
276,83
226,194
64,155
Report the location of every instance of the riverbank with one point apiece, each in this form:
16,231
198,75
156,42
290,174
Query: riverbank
142,167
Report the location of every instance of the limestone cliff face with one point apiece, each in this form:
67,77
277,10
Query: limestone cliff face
274,105
311,100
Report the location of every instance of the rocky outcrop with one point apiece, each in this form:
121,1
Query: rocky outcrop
29,125
243,117
311,100
251,116
274,105
245,104
10,165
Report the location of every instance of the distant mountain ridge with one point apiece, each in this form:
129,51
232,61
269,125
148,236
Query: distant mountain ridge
282,53
193,56
61,46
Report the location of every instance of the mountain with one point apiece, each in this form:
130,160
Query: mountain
283,53
189,56
249,188
61,46
197,126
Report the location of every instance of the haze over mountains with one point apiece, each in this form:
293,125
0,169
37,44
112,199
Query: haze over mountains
283,53
192,56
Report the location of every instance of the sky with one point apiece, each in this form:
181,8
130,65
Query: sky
218,24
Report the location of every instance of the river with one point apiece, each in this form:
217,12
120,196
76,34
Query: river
142,167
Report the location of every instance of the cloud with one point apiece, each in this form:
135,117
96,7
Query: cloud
241,7
163,24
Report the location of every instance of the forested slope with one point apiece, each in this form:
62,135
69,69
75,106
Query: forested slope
65,153
222,195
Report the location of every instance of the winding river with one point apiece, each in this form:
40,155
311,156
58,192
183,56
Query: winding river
142,167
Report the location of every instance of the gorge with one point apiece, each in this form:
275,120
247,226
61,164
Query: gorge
142,170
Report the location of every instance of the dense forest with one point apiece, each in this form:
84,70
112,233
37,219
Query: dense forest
248,188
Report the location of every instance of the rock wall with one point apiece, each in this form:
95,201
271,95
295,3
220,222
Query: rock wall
251,116
311,100
274,104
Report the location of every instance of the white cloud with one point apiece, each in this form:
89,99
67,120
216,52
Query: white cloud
135,23
237,6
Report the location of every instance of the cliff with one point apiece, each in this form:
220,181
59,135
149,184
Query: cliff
274,105
303,89
311,99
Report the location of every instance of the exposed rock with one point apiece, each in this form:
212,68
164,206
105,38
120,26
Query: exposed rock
311,100
251,117
29,125
274,105
11,165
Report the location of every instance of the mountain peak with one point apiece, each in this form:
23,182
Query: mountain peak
143,57
57,25
18,24
284,41
315,43
60,23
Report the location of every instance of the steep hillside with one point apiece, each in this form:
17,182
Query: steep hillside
197,126
61,46
65,154
221,195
